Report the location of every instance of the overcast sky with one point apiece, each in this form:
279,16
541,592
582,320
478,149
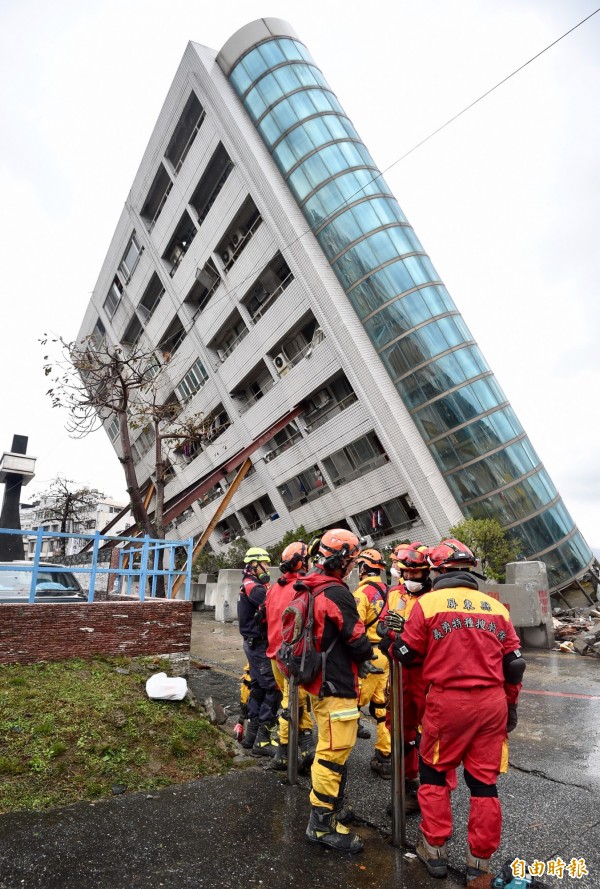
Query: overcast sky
506,200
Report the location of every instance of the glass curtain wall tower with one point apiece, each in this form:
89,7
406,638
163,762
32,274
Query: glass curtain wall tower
426,348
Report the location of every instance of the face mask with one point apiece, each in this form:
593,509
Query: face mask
262,576
413,586
395,573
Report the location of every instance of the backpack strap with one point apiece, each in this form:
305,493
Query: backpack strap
374,584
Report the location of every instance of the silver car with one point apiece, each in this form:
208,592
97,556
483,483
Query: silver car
58,585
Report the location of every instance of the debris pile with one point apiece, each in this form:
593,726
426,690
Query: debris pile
577,630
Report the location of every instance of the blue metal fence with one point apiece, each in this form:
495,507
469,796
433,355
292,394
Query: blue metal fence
139,558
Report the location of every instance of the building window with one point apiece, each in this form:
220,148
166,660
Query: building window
207,281
298,344
216,423
387,518
143,443
172,339
185,132
211,183
113,298
98,334
194,379
157,197
113,428
230,336
132,335
180,243
269,285
253,387
130,258
283,441
305,486
151,298
356,459
239,234
325,403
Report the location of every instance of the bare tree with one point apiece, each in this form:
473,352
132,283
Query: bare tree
94,381
68,505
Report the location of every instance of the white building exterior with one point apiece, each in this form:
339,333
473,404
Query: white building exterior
34,516
215,266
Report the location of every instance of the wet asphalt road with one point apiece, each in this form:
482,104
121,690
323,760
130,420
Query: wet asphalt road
246,829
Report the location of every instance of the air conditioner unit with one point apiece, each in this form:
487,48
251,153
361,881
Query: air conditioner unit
321,398
177,254
281,362
226,255
237,236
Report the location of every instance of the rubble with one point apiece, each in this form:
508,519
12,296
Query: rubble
577,630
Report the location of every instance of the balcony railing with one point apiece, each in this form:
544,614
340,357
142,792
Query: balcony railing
318,418
306,498
271,298
242,243
283,447
225,353
375,463
188,144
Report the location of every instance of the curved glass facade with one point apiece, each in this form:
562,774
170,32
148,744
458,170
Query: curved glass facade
424,344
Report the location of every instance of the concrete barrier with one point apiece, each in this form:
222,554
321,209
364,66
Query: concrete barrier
526,595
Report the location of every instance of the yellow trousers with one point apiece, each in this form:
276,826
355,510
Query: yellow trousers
305,722
373,691
337,724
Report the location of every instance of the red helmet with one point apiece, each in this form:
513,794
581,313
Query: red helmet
294,556
411,555
451,553
372,558
337,547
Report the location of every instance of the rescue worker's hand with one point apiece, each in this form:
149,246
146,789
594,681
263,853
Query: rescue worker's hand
394,621
368,667
511,722
387,642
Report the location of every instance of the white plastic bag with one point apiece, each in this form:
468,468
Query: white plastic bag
161,687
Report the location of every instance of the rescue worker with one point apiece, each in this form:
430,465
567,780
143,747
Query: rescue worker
263,702
473,666
370,596
412,565
294,564
340,636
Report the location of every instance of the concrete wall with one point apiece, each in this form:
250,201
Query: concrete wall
32,633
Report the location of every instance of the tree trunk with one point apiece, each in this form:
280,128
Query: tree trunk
139,511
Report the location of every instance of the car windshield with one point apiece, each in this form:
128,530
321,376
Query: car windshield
16,580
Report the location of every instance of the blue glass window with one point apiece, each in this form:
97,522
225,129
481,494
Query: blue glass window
240,79
272,53
459,407
293,50
473,441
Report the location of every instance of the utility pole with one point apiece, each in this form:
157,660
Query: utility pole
16,470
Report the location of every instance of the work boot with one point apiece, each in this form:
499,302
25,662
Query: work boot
280,760
411,802
362,731
306,748
266,740
476,867
345,814
325,829
382,764
250,738
435,858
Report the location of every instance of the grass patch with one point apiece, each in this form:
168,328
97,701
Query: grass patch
73,730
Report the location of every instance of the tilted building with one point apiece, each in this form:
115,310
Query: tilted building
263,256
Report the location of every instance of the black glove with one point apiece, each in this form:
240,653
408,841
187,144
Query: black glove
394,621
386,643
368,667
511,722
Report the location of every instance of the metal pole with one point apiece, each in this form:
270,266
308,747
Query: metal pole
293,731
398,785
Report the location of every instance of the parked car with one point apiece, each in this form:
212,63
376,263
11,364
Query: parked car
52,586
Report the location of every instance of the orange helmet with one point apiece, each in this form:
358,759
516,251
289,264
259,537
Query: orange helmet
372,559
411,555
337,547
294,556
451,553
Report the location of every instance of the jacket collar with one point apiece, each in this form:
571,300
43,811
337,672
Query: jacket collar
453,579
